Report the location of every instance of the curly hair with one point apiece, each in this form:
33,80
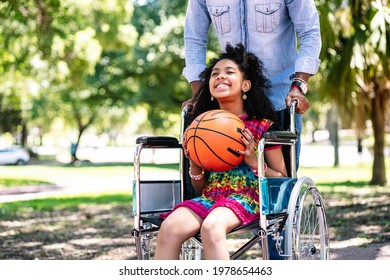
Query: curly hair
257,105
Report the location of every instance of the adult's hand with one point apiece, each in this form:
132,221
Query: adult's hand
302,103
195,86
187,103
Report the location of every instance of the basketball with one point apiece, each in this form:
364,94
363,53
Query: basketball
213,139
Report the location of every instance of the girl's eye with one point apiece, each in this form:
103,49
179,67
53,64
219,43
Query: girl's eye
214,74
230,72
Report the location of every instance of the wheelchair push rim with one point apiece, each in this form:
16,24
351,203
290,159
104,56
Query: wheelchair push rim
307,233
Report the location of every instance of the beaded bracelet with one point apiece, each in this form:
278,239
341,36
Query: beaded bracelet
256,172
196,177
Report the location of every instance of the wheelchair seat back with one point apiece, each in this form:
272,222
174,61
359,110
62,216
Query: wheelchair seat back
158,196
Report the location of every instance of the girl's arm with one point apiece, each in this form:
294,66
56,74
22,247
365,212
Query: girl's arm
197,174
198,177
276,166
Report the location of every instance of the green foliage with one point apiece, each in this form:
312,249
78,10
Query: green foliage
355,49
82,60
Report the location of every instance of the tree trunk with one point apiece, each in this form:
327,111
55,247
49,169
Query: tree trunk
24,134
334,133
378,113
359,145
82,127
76,145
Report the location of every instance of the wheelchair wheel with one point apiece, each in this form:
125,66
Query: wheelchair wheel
307,234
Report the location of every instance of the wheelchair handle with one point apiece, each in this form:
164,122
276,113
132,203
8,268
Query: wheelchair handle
187,109
184,113
293,160
293,104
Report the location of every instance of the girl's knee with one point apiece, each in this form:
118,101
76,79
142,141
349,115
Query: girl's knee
174,229
212,230
169,228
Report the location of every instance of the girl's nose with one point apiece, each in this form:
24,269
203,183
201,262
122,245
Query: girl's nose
221,76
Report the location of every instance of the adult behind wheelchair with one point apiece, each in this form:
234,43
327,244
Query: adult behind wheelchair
292,209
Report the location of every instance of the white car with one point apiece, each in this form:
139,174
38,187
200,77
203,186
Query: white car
14,155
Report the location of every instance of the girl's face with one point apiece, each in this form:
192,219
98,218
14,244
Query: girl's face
227,81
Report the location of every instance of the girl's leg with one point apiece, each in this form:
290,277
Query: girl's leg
217,224
179,226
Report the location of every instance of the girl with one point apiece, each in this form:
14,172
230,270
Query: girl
233,82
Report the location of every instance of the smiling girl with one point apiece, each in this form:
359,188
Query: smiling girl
234,82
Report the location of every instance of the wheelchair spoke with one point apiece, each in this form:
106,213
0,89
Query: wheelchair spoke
310,226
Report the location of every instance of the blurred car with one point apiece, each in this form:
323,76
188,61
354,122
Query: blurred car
14,155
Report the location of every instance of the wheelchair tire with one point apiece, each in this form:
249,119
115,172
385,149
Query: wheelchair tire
306,233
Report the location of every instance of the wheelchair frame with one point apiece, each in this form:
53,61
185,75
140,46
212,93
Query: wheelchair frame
303,218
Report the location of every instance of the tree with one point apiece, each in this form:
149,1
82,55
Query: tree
74,53
356,59
17,38
160,57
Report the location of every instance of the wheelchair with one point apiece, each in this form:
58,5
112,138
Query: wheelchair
292,209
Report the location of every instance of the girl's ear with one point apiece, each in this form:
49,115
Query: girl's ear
246,85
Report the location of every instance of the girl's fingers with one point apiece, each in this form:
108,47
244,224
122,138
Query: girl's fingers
247,133
247,137
245,140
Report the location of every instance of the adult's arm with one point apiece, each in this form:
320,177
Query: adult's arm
305,17
196,28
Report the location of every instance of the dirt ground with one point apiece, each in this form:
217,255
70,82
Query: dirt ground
359,230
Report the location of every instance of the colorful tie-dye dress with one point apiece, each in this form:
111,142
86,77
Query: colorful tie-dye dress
236,189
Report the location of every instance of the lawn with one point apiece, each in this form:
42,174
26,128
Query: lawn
98,226
56,172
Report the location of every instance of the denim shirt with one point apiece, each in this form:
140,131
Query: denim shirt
267,28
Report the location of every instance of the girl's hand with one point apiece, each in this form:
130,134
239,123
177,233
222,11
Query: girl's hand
249,154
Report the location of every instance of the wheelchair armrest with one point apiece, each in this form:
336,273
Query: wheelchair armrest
280,135
158,141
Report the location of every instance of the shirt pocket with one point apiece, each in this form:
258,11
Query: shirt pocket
220,16
267,16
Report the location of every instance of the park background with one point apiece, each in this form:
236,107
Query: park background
94,75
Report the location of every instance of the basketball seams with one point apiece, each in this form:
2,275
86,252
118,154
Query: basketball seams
213,119
212,151
217,132
197,131
196,127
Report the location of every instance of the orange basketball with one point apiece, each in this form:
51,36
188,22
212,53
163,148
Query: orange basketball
213,139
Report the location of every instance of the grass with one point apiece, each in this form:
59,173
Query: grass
359,172
57,173
71,203
11,182
44,170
